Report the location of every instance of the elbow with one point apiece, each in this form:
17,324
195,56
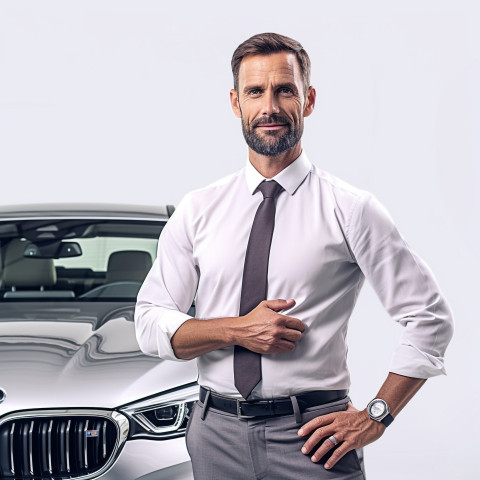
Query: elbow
155,330
144,334
447,324
449,329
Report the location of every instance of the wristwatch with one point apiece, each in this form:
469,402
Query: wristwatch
379,411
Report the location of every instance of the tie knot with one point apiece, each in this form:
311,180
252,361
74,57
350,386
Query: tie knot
270,189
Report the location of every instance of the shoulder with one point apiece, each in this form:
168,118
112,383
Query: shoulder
355,208
196,204
215,189
336,186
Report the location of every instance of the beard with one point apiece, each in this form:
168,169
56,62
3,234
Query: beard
274,142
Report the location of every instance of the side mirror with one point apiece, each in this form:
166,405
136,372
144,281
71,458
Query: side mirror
55,249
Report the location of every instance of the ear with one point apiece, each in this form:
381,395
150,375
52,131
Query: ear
234,103
309,101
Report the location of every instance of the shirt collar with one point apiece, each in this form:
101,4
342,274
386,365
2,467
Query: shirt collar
289,178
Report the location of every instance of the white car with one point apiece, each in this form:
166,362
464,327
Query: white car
78,399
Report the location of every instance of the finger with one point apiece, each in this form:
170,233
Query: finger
294,324
317,422
280,346
326,446
291,335
279,304
316,437
337,455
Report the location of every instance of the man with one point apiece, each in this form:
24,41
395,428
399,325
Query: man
275,256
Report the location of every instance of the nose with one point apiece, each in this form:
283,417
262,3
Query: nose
270,103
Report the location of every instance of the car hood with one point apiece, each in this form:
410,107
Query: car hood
78,355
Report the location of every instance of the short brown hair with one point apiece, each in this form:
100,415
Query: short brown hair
266,44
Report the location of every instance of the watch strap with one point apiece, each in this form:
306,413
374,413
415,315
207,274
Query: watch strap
387,420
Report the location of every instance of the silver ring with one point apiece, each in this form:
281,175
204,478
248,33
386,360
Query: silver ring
333,439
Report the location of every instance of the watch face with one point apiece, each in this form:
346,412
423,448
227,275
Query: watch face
377,409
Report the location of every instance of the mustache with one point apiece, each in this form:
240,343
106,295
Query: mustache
265,120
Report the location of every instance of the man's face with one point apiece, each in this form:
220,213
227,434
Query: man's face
271,102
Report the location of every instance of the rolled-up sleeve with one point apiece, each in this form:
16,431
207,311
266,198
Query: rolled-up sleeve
169,288
406,288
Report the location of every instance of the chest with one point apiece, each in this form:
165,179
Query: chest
308,241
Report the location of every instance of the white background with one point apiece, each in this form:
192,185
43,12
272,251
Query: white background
127,101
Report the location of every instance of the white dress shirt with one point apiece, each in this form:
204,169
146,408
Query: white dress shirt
328,237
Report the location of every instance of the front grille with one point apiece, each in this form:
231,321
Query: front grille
42,445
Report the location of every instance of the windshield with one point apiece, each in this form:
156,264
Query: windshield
93,259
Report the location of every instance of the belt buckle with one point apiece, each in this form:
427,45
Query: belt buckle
239,411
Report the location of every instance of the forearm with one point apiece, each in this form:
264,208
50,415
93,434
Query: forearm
263,330
397,391
197,337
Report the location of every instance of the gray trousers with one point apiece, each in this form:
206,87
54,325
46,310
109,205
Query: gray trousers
224,447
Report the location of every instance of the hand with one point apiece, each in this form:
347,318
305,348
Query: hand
266,331
351,428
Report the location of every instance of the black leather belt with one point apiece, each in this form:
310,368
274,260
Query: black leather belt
269,408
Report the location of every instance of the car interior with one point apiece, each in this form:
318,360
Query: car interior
50,259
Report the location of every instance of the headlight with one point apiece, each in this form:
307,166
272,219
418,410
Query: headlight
163,416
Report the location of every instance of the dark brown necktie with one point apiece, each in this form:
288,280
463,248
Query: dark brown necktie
247,364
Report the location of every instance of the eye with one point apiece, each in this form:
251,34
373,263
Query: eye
285,91
254,92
